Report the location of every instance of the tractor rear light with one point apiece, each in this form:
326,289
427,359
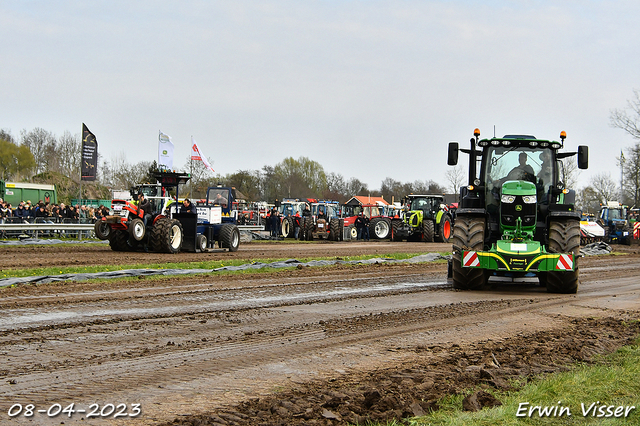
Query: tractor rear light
530,199
470,187
508,199
565,191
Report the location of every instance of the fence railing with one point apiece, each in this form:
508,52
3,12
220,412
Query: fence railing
50,227
13,227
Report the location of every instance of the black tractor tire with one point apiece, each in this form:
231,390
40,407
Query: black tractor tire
137,230
445,229
380,228
229,237
201,242
341,234
468,234
334,230
102,230
166,236
564,237
627,240
395,225
288,228
428,230
308,228
118,240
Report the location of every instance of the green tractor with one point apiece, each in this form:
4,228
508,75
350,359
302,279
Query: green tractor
515,218
423,218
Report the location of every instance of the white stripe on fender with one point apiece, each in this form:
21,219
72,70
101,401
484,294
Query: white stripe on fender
565,262
471,259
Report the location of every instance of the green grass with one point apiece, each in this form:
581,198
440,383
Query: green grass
613,380
28,272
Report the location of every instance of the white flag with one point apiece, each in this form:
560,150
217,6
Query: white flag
165,152
196,154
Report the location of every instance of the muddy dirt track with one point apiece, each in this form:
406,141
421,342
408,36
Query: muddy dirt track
303,346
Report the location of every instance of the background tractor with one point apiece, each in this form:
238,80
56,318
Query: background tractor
515,218
167,229
424,218
329,226
613,217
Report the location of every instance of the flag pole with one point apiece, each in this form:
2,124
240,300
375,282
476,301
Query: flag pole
191,170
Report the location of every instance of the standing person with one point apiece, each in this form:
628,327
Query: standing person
274,221
359,224
365,228
296,225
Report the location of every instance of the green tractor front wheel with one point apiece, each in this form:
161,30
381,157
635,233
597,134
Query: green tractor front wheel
468,235
564,237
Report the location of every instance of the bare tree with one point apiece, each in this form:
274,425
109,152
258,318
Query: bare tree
69,155
628,119
456,178
604,187
42,145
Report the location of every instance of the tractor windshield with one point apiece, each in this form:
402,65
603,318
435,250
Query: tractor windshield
520,163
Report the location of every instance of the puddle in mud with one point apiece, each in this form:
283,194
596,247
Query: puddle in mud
215,301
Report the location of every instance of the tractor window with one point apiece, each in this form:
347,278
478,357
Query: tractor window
533,165
614,214
218,197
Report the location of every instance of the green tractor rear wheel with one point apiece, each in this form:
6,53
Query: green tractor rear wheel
445,229
468,235
564,237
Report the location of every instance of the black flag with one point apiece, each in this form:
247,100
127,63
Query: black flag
89,154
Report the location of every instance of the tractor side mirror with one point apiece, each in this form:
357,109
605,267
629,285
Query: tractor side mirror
452,159
583,157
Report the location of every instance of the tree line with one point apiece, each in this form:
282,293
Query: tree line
41,157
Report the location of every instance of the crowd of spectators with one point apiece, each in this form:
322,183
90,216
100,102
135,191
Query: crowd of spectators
47,212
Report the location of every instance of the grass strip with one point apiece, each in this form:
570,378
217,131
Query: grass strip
590,393
52,271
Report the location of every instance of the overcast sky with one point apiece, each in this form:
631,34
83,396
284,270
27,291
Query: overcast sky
369,89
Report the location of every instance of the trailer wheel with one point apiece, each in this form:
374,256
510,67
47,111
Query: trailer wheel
564,237
428,229
380,228
445,230
136,229
201,242
102,230
229,237
468,234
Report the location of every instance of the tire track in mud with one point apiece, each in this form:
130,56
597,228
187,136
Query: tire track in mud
245,348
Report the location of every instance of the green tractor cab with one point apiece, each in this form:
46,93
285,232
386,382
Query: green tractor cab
515,218
423,218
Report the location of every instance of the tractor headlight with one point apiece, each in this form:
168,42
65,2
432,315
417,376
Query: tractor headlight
530,199
508,199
